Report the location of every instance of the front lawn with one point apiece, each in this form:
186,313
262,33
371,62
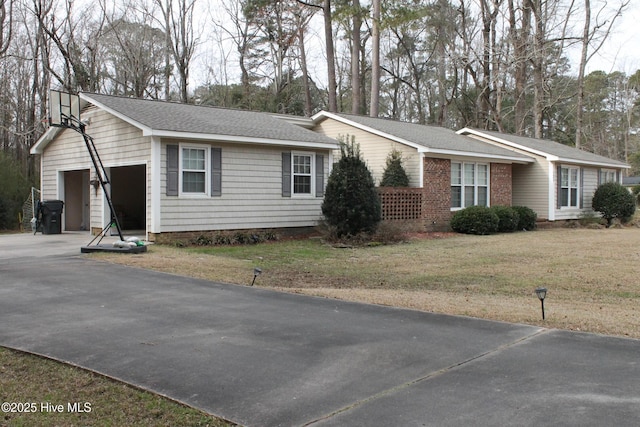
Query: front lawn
591,275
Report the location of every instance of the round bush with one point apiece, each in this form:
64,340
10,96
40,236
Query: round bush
613,200
526,218
508,218
475,220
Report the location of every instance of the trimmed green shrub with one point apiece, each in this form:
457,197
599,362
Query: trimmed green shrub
613,200
475,220
351,203
526,218
394,174
508,218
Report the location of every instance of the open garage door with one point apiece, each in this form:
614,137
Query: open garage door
76,200
129,196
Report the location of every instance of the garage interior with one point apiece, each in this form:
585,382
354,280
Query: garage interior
129,196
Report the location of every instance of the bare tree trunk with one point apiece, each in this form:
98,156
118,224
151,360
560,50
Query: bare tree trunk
588,35
242,36
355,58
538,61
331,57
332,99
440,50
6,25
308,108
483,110
375,61
581,69
75,76
167,11
181,41
520,41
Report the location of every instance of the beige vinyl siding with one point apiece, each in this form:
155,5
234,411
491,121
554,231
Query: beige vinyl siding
251,194
531,187
118,144
375,149
590,185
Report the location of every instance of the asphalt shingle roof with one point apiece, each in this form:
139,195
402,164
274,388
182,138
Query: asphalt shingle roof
432,137
175,117
554,148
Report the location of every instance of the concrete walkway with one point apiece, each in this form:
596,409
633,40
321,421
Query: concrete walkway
262,358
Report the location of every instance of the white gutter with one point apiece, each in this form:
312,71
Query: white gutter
237,139
522,160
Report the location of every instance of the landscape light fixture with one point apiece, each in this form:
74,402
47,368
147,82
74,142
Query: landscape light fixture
256,273
541,293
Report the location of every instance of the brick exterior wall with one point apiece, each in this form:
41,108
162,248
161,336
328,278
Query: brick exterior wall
501,177
437,194
400,204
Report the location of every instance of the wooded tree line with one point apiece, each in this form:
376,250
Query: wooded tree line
491,64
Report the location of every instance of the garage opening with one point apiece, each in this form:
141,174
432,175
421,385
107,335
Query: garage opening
129,196
76,200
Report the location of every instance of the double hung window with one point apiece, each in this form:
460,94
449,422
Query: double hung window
469,184
569,187
194,170
607,175
302,173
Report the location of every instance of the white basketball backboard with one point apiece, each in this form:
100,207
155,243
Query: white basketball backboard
64,109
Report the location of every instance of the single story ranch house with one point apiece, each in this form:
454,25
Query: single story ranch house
177,169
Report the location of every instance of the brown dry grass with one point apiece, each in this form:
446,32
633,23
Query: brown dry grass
591,274
38,384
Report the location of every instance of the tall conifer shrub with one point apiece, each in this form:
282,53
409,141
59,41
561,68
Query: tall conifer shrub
351,203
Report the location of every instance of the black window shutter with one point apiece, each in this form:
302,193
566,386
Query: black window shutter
581,202
286,174
216,171
319,175
559,187
172,170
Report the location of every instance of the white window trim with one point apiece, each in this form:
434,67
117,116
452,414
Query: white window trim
577,187
207,171
475,185
311,193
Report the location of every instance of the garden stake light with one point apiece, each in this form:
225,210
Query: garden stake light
541,293
256,273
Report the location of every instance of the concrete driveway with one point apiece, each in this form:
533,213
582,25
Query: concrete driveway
262,358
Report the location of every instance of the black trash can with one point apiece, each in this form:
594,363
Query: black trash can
51,211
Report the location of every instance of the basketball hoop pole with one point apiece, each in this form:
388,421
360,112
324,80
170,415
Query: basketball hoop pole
102,177
74,123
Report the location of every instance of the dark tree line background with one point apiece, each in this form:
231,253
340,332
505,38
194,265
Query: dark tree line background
490,64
